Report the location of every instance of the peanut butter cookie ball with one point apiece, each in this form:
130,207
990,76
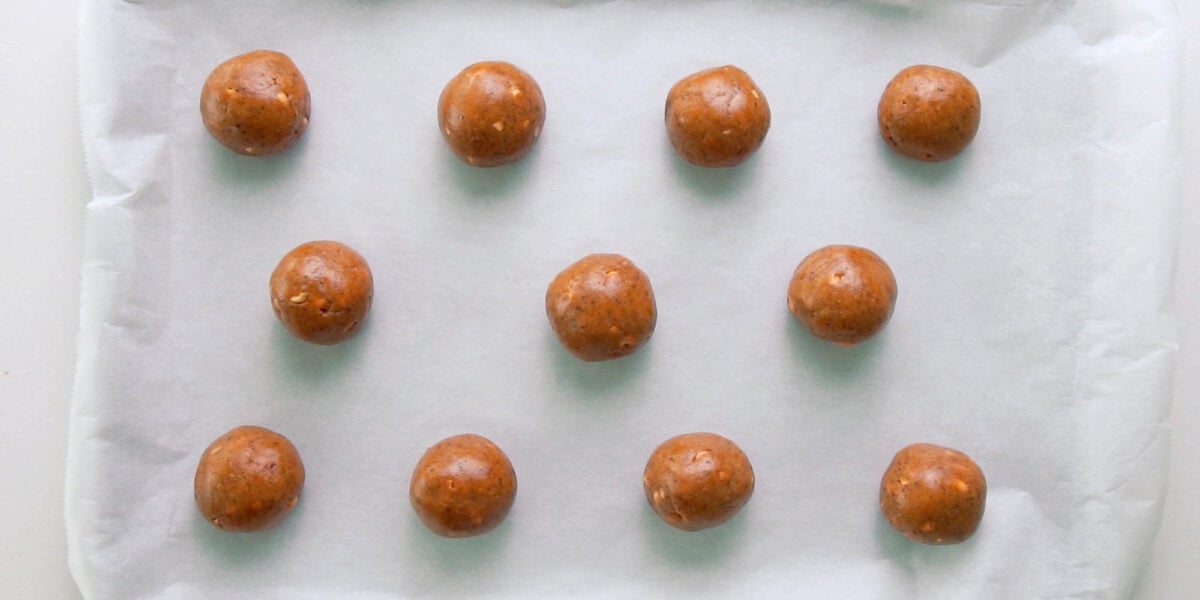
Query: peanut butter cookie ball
248,480
601,307
696,481
717,117
256,103
491,114
929,113
321,292
842,294
933,494
463,486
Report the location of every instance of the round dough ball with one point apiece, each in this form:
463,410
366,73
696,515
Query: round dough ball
256,103
321,292
602,307
717,117
463,486
491,114
248,480
932,494
929,113
696,481
842,294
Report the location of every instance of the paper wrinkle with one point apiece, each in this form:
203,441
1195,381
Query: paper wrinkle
1029,331
1095,31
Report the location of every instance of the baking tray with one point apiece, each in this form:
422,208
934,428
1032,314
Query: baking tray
1030,330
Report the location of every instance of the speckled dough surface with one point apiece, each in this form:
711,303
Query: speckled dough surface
463,486
717,117
256,104
601,307
248,480
322,291
696,481
929,113
843,294
491,114
933,494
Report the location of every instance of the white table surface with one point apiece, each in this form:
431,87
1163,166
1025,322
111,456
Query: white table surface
41,245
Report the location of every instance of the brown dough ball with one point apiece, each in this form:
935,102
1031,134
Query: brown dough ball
491,114
932,494
602,307
842,294
321,292
248,480
717,117
256,104
696,481
929,113
463,486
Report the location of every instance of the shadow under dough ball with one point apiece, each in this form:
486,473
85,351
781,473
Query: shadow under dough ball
491,114
463,486
696,481
248,480
256,103
717,117
929,113
842,294
321,292
601,307
933,494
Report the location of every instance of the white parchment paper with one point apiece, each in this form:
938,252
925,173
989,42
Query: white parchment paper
1030,329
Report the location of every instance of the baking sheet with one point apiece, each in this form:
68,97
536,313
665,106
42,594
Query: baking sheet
1030,330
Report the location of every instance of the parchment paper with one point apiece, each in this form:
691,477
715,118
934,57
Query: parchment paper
1030,329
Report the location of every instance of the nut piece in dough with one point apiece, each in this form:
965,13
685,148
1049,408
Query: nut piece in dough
321,292
602,307
463,486
696,481
929,113
491,114
256,103
842,294
248,480
717,117
932,494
